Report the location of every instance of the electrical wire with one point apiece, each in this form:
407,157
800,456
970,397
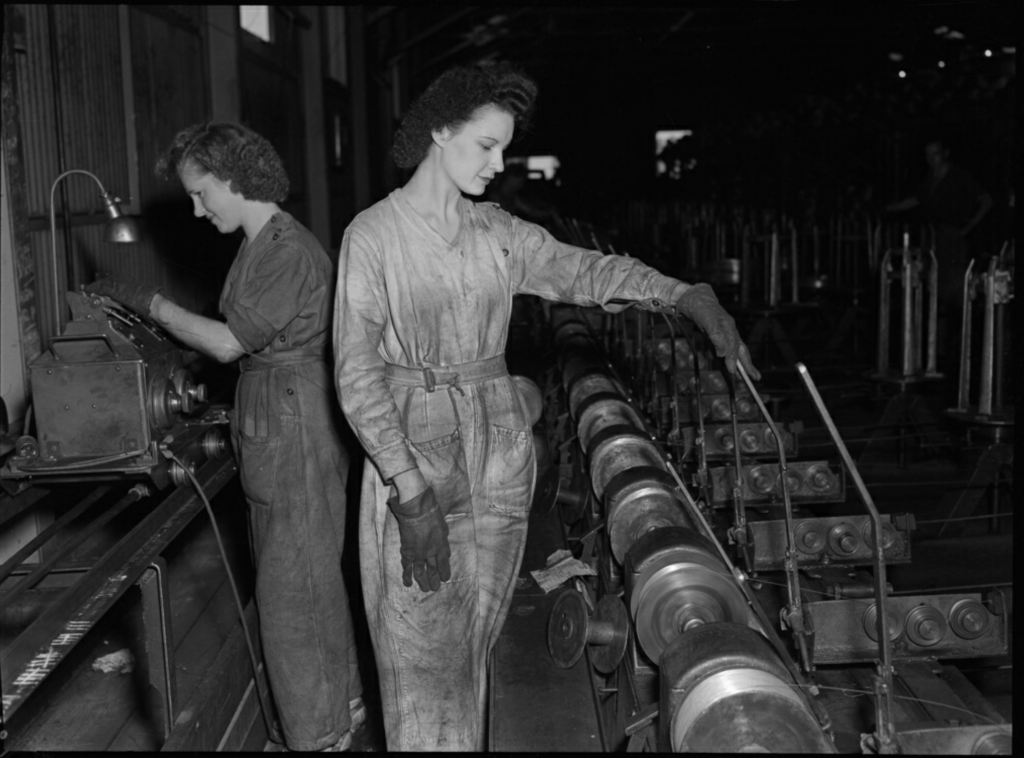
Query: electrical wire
234,589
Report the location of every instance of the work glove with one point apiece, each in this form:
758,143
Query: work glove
424,541
131,293
700,304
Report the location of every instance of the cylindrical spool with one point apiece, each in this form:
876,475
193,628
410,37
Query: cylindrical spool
870,623
723,689
676,588
605,412
587,385
926,626
968,619
570,630
640,500
844,539
618,452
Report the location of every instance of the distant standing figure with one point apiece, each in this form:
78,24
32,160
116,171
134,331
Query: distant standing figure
954,203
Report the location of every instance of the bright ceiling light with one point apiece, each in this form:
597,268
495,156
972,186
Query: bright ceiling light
903,74
988,53
942,64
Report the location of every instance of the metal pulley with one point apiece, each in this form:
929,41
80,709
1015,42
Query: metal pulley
571,629
618,449
724,689
638,501
677,583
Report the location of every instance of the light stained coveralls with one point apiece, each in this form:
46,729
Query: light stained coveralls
408,299
293,468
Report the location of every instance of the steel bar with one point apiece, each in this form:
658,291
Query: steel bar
933,314
34,653
35,576
886,716
883,312
985,382
965,343
16,559
21,502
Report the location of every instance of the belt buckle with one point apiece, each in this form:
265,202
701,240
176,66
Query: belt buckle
429,380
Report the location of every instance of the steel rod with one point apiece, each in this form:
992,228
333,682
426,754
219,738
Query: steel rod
15,560
886,711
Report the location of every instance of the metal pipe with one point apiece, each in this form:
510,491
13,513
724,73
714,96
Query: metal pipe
965,343
933,314
885,711
884,294
908,305
794,263
985,388
16,560
773,279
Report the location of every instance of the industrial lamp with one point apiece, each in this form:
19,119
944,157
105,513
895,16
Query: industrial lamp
119,228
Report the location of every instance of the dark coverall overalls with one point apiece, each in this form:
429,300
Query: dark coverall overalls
408,299
293,469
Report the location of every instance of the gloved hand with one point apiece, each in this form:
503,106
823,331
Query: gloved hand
424,541
700,304
134,294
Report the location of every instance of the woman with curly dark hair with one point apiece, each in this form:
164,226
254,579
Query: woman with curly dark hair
424,297
293,465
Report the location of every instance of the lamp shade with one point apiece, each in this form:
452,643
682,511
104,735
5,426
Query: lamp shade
122,229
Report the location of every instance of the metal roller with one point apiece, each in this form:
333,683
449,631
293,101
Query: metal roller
724,689
639,501
676,582
607,411
585,386
618,449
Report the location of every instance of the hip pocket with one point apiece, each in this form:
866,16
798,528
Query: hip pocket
443,464
509,471
257,464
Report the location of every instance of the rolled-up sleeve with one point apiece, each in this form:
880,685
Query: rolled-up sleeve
359,320
544,266
276,291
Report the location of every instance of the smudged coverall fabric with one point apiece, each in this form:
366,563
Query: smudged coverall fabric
409,297
293,469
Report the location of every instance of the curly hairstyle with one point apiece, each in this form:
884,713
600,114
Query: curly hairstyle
233,153
452,99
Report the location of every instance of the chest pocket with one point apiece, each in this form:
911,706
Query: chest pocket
509,471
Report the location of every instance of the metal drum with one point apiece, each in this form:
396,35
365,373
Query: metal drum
588,385
618,449
676,582
603,414
724,689
639,501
